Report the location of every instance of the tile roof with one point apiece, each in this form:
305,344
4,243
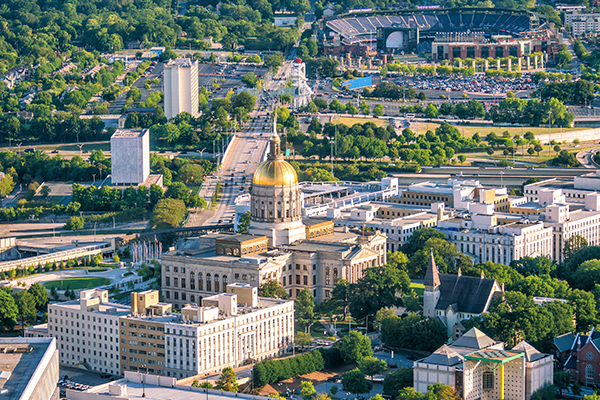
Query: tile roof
565,342
474,339
530,352
445,355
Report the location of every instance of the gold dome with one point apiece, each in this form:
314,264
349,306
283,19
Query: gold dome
275,173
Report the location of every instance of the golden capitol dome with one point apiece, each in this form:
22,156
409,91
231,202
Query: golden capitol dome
275,171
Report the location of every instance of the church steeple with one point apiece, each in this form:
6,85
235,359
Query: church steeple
432,276
275,142
431,295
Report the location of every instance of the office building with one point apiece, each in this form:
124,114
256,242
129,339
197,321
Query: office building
87,331
456,193
29,369
481,235
226,330
480,368
180,86
130,156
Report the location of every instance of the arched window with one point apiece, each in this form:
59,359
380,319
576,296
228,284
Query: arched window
335,274
192,298
200,281
217,289
208,283
589,372
192,280
224,282
328,276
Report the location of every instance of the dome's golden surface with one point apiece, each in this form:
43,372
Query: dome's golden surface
275,173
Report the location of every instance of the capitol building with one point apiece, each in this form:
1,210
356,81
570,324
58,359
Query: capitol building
280,245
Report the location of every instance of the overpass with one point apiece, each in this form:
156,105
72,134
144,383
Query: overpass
170,234
63,255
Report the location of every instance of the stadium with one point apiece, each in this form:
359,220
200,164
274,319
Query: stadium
443,33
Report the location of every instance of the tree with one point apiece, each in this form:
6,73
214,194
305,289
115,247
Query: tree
26,305
40,295
431,111
371,366
305,308
243,223
538,148
302,339
227,381
573,244
74,223
462,158
354,347
8,311
272,289
397,380
354,381
307,390
378,110
168,213
377,289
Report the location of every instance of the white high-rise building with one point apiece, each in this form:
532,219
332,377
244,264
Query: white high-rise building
130,156
180,86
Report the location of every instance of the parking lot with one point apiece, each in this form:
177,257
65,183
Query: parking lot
227,76
470,84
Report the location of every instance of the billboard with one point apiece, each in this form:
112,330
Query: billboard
358,82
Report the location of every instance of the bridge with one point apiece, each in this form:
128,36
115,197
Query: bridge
57,257
167,235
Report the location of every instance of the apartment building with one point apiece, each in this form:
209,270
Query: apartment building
180,86
583,22
574,189
226,330
87,331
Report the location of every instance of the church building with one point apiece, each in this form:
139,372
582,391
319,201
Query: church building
454,298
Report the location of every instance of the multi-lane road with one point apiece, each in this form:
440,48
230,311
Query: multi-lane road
246,152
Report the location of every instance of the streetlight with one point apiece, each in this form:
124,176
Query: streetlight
367,323
95,231
501,174
143,381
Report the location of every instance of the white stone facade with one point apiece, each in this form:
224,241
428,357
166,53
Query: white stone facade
87,331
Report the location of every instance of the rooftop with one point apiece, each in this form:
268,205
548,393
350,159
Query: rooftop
495,356
129,133
103,308
19,357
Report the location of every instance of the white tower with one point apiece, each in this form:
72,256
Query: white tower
180,86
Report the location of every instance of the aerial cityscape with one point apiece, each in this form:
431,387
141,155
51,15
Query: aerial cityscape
300,200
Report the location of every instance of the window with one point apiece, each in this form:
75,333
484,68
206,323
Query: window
487,380
589,372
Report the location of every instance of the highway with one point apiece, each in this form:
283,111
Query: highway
246,153
493,176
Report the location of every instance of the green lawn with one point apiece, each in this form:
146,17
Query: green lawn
418,287
77,283
484,130
351,121
104,146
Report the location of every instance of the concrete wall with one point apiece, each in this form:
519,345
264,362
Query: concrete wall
584,134
88,251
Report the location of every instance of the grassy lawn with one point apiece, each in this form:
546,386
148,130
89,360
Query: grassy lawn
351,121
50,199
418,287
77,283
483,130
544,154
